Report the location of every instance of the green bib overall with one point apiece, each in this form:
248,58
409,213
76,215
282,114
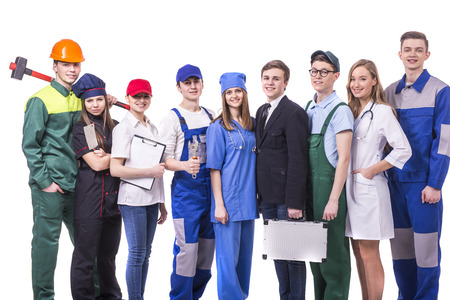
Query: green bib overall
332,278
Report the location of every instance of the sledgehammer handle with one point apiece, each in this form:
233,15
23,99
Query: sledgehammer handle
39,75
122,105
12,66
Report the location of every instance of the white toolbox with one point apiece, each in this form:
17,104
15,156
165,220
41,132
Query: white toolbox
295,240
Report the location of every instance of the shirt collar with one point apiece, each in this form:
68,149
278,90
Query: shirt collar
274,103
57,86
418,85
325,102
134,121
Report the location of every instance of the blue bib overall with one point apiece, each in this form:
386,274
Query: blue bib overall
194,236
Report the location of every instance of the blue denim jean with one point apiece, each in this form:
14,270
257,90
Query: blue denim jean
291,274
140,226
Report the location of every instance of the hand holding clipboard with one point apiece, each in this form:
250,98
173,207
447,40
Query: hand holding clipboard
157,171
145,154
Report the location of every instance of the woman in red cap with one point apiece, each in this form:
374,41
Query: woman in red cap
139,206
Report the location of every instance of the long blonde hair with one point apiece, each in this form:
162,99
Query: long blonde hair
377,93
225,115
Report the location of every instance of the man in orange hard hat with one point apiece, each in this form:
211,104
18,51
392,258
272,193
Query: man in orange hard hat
47,135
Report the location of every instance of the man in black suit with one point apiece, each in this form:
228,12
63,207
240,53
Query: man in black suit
282,166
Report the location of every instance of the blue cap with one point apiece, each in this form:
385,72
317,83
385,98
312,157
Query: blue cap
331,57
230,80
89,86
188,71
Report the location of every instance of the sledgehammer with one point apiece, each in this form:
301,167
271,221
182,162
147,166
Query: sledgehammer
20,68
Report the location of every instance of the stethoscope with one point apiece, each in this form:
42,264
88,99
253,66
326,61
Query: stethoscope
368,112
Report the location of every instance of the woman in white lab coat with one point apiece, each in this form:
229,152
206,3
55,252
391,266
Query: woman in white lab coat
376,133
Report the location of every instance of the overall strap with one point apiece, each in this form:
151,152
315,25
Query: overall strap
207,112
183,124
328,119
307,105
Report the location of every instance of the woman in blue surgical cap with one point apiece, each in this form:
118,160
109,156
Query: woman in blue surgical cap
230,139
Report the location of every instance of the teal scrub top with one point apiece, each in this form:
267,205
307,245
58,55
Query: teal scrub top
231,153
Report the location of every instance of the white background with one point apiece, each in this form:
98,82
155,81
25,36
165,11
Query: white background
123,40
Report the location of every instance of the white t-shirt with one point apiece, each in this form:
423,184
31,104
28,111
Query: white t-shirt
122,135
171,133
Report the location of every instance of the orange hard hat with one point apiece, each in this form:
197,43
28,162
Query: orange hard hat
68,51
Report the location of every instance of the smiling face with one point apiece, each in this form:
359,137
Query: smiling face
139,103
66,73
191,88
234,97
361,84
323,85
273,84
95,105
414,53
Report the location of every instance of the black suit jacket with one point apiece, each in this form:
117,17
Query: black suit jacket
282,155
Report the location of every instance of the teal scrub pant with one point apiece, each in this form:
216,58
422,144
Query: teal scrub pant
49,211
234,251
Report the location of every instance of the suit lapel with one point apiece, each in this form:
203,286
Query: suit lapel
273,117
257,130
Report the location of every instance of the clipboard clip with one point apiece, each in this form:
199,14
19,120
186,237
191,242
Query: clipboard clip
148,142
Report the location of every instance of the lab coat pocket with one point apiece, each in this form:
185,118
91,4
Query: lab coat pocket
364,186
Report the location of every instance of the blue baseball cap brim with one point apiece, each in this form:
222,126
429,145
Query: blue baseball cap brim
188,71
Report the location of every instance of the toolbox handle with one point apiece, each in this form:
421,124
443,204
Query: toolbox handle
302,219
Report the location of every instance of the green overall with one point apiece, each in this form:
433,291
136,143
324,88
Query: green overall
332,278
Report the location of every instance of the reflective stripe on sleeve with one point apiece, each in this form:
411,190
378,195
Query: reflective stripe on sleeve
444,140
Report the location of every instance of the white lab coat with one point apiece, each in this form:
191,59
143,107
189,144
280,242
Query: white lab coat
369,214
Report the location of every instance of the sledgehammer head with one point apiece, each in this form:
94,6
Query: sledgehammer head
19,70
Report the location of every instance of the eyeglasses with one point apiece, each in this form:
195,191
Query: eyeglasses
364,124
323,72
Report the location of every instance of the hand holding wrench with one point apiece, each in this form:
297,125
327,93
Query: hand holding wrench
193,147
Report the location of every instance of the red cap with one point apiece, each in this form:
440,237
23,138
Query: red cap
137,86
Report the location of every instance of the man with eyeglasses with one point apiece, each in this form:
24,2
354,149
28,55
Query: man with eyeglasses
422,103
331,125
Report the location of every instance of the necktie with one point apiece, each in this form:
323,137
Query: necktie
264,115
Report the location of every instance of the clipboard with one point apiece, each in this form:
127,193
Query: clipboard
144,153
